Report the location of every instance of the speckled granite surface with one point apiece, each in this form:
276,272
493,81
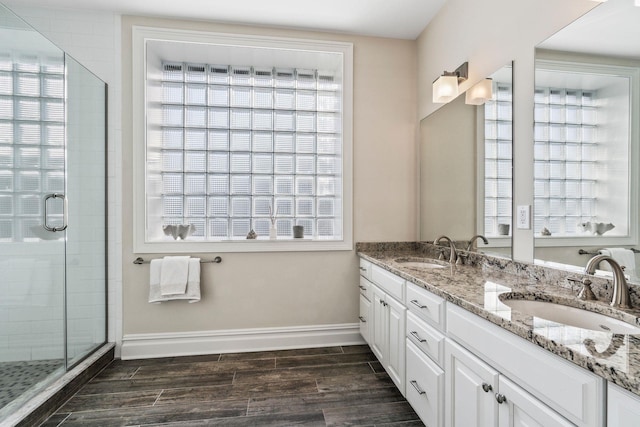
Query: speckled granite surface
484,282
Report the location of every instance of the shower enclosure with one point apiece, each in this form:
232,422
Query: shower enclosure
52,212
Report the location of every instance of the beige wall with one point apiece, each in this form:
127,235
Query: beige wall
295,289
448,172
490,34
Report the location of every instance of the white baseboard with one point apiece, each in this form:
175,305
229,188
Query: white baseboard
145,346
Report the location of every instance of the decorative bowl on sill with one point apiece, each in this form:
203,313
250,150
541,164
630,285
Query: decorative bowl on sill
180,231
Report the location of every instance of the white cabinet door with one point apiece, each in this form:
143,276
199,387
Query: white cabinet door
365,318
470,386
379,327
520,409
623,408
396,347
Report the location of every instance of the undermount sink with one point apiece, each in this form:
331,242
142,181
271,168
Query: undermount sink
571,316
416,263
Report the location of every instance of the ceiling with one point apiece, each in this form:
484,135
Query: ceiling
611,29
403,19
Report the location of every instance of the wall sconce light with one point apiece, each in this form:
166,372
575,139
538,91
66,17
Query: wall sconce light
445,87
479,93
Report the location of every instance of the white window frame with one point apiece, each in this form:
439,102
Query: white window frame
140,36
633,73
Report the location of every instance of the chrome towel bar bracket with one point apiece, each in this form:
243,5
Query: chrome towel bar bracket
216,260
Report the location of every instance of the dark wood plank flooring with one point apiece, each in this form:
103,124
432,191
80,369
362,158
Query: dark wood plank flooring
329,386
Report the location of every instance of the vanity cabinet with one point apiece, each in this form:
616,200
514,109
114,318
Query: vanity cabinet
479,396
623,407
458,369
383,319
387,334
469,388
553,386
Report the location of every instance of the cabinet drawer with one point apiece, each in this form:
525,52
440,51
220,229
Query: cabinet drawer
427,339
426,305
388,282
365,319
365,268
365,288
425,386
570,390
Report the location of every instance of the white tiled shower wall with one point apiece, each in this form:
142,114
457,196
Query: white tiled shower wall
93,39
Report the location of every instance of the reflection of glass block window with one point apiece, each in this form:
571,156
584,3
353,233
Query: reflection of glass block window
32,137
565,159
497,159
235,143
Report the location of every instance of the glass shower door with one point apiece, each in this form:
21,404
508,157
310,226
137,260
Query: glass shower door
32,211
86,235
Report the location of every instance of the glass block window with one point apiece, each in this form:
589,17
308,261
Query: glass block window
237,147
32,137
565,156
498,159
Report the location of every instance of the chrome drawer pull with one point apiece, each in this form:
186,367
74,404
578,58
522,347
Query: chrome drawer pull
487,387
501,398
362,319
364,288
418,389
417,304
416,336
363,269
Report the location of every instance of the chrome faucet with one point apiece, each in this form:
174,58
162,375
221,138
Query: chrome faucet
454,254
620,295
474,238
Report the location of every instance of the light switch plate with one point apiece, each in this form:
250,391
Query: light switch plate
524,217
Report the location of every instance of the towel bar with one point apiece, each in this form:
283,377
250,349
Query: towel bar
216,260
583,252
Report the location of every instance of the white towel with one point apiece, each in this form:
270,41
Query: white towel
192,293
174,274
624,257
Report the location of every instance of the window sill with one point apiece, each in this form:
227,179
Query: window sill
496,242
588,240
257,245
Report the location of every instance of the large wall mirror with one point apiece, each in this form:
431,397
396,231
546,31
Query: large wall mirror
466,168
586,147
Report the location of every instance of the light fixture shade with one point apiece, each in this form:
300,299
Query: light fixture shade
479,93
445,89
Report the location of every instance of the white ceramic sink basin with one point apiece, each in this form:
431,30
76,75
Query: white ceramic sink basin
407,262
572,316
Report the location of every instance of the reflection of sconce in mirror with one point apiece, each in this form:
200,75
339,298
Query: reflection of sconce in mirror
479,93
445,87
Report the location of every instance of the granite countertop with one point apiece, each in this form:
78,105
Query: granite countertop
477,287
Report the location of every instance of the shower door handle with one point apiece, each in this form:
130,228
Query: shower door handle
64,212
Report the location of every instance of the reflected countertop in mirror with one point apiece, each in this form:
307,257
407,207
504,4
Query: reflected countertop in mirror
482,288
466,168
587,140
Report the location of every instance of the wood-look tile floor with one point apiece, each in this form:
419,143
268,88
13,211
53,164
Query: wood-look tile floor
329,386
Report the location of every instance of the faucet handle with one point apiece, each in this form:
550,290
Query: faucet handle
585,293
461,258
